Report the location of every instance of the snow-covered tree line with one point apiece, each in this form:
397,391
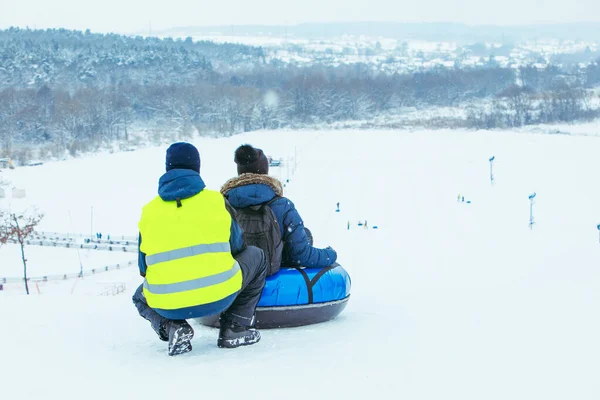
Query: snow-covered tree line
517,106
71,91
74,60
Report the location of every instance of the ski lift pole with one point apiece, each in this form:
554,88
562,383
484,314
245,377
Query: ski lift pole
491,169
531,222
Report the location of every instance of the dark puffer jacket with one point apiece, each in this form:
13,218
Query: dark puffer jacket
254,189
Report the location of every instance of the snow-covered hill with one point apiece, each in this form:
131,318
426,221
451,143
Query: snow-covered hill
450,300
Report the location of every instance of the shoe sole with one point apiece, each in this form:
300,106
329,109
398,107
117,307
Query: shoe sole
237,342
181,341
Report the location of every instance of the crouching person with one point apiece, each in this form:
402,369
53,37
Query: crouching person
194,260
252,188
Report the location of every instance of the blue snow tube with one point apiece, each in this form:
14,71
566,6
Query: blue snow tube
299,296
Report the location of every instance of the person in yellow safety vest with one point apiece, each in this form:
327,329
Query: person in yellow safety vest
194,259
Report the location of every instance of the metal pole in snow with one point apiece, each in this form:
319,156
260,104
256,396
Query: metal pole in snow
531,214
491,169
531,197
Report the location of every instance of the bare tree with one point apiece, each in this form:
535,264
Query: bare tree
519,105
16,228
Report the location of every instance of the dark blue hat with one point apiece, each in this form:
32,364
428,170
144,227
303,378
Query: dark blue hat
183,156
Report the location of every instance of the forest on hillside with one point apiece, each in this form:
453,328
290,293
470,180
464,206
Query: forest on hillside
68,91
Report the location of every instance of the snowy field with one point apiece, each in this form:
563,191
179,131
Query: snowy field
449,300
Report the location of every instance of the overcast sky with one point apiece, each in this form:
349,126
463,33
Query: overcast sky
128,16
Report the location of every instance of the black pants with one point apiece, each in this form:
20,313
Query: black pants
254,267
253,264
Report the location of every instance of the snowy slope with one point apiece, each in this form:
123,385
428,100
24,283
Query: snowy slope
449,300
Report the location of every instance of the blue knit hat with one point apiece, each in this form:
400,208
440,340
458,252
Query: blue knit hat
183,155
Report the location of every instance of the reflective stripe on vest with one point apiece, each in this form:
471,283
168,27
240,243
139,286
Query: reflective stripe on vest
194,284
188,252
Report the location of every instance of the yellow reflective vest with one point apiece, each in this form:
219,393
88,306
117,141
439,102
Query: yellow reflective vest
188,256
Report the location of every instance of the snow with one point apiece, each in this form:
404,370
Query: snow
449,300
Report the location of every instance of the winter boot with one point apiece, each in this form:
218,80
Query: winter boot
180,334
232,335
163,331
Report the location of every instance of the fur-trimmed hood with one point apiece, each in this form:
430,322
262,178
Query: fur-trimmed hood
251,189
251,179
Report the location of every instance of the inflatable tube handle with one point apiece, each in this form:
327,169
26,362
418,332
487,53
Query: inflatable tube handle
310,283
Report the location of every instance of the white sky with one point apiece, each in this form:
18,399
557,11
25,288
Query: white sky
127,16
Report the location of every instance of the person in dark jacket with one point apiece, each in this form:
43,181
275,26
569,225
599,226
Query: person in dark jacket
252,187
194,260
